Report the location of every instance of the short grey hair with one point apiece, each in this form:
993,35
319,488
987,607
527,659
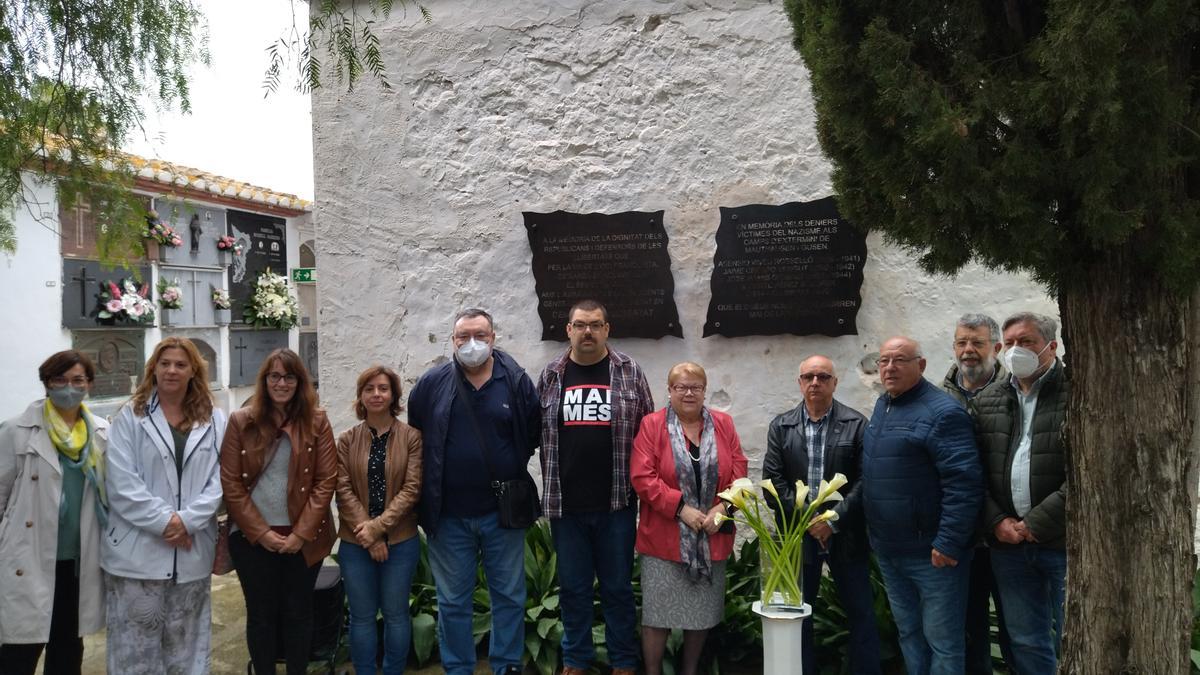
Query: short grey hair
471,313
1046,326
981,321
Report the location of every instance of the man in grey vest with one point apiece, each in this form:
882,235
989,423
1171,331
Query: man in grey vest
976,367
1019,428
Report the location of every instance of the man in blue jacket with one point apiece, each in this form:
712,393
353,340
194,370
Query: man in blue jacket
922,491
480,422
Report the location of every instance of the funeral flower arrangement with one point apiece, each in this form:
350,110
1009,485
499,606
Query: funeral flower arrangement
161,232
220,298
170,295
228,243
781,537
123,301
271,305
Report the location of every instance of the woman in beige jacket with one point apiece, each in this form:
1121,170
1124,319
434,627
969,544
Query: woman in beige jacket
52,513
379,482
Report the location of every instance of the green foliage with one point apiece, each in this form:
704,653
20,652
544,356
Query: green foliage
71,77
1027,135
422,606
339,38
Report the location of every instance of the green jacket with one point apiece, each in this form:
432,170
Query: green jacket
998,429
950,384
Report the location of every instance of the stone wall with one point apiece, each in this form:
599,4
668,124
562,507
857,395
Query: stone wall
499,108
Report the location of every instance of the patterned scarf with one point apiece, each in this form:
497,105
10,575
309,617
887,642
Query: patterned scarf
74,445
693,546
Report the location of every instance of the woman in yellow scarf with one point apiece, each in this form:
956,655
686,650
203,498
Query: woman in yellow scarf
53,509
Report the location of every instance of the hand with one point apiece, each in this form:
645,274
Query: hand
366,533
272,541
692,517
1010,531
939,559
710,519
176,534
1026,533
291,544
821,531
378,551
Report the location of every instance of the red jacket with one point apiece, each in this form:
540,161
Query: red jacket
652,471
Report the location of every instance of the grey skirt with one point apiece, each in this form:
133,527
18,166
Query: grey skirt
671,600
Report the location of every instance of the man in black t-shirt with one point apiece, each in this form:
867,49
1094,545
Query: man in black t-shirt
593,399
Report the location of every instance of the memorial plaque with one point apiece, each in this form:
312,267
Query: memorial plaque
120,358
264,244
198,226
81,281
795,268
197,285
248,349
308,352
618,259
77,227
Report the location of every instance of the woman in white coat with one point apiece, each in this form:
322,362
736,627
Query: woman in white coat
164,489
51,517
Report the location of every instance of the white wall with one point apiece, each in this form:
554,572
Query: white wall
585,105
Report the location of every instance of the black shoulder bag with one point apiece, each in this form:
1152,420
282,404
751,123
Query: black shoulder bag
518,498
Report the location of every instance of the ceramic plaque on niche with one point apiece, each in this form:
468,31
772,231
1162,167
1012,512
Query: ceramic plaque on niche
81,290
248,349
199,227
264,245
795,268
119,355
618,259
197,285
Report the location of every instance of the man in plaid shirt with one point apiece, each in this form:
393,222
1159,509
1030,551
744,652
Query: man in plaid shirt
593,400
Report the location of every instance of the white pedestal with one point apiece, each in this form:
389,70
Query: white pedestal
781,638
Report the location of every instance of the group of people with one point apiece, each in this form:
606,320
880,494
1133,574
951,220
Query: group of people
118,525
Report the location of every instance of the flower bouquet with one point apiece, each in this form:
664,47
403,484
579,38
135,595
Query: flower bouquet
170,295
781,537
221,305
123,301
271,305
161,232
228,243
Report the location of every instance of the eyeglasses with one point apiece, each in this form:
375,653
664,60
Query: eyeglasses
595,326
809,377
688,388
979,345
479,337
59,381
275,378
885,361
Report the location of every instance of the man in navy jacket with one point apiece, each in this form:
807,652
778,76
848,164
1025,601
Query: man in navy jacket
922,491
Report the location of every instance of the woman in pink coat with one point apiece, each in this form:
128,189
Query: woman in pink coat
682,457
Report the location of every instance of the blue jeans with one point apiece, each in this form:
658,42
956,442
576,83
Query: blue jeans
1032,582
930,607
853,581
454,555
373,586
590,547
981,594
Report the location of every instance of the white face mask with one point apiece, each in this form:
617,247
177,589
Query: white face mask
473,353
1022,362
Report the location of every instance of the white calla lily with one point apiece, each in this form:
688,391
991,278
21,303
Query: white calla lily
828,516
829,489
768,486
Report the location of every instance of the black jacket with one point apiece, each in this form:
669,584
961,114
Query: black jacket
998,430
786,462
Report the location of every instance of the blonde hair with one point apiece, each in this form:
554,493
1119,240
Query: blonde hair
686,368
197,402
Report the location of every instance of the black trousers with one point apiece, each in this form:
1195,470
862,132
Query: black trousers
278,588
65,656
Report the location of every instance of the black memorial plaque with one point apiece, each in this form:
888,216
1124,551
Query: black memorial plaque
81,285
248,349
795,268
119,356
264,244
618,259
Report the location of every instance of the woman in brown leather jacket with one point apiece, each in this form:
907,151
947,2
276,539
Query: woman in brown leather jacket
378,484
278,471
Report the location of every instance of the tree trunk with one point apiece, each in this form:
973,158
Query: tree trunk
1130,480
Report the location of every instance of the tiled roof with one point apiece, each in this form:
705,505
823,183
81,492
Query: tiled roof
177,176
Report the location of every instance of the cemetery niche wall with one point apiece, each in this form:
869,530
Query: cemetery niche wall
199,226
247,350
264,245
795,268
619,259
